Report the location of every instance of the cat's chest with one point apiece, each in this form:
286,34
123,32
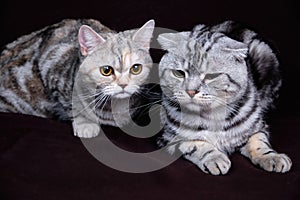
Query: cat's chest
213,131
194,126
223,140
116,112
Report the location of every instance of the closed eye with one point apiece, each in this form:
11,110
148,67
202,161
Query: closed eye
178,73
212,76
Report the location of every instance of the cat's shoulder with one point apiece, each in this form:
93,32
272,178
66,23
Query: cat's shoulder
72,25
65,30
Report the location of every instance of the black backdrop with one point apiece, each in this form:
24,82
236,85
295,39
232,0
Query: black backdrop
40,159
276,20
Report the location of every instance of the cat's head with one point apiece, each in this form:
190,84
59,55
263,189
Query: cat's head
117,63
202,71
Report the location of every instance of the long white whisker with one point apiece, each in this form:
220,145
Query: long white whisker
86,107
146,105
101,101
223,102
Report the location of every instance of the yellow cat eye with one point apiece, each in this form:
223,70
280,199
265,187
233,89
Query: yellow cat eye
178,73
106,70
136,69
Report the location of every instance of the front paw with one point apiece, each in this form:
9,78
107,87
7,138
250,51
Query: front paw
86,130
215,163
274,162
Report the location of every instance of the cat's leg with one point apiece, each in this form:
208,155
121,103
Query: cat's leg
85,122
259,150
84,127
206,156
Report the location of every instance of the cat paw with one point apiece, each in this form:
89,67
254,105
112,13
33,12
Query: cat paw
216,163
86,130
274,162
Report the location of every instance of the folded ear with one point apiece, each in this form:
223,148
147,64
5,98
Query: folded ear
238,54
88,39
238,50
144,34
169,41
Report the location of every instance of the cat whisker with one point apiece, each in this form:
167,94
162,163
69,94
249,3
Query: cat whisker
224,103
88,96
87,106
149,95
101,102
146,106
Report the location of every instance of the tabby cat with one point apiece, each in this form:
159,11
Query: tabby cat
218,82
38,72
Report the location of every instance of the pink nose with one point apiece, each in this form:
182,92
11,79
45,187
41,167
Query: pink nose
191,93
123,85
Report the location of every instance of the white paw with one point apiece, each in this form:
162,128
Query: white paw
215,163
274,162
86,130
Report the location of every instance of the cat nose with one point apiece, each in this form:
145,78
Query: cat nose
122,85
191,93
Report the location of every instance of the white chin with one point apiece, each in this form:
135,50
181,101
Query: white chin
193,107
122,95
198,107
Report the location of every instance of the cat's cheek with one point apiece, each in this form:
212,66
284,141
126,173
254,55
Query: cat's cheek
229,96
184,101
132,89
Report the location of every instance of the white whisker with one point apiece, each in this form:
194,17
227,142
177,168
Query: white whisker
225,103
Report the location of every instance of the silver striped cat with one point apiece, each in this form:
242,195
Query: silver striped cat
38,72
218,82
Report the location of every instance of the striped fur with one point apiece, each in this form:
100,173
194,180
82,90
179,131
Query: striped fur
218,82
38,72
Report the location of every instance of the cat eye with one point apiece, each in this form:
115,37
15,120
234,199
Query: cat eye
136,69
178,73
106,70
212,76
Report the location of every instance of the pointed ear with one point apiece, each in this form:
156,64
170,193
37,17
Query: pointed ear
237,49
169,41
88,39
144,34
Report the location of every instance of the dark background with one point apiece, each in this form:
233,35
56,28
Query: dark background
275,20
41,159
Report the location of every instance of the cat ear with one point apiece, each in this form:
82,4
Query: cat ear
239,54
88,39
237,49
169,41
144,34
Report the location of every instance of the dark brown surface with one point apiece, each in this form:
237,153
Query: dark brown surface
40,159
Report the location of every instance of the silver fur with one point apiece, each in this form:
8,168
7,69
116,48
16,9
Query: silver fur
38,72
217,83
